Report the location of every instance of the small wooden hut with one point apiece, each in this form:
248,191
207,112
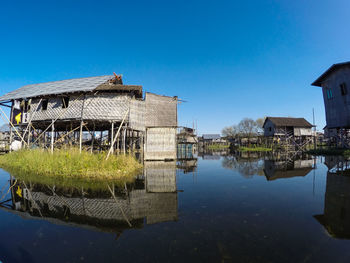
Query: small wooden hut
115,115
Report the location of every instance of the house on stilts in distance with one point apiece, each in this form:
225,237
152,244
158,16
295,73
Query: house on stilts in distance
293,133
109,112
335,83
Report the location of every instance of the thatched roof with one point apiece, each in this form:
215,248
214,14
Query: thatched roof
330,70
70,86
289,122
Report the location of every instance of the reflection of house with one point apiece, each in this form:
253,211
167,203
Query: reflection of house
336,215
286,169
154,199
337,164
187,165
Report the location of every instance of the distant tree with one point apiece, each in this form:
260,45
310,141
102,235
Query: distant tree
248,128
260,123
230,131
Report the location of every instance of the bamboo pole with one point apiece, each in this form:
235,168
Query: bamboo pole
28,139
52,135
112,136
11,134
121,209
80,135
92,139
116,136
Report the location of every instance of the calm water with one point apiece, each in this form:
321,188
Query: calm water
214,209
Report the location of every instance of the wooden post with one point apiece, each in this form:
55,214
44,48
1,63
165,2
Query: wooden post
101,139
10,142
29,133
45,140
92,139
112,137
52,135
124,140
80,135
11,132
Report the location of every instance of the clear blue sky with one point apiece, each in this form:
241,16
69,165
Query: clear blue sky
227,59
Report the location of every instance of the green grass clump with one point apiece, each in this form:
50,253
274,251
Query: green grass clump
69,164
254,149
217,147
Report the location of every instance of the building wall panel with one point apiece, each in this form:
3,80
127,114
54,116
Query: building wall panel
161,111
160,144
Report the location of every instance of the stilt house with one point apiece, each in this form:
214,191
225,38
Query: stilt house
335,83
278,126
61,111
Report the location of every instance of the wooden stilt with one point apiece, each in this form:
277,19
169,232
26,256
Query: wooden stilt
80,136
112,137
92,139
29,133
52,135
11,132
124,140
10,142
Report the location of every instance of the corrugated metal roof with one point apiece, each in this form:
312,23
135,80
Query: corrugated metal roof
289,122
56,87
211,136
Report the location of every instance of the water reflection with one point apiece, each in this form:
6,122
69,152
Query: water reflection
246,167
277,169
336,215
151,199
271,166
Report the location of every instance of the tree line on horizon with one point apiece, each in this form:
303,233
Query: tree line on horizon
246,128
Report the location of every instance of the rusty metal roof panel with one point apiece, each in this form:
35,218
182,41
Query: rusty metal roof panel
56,87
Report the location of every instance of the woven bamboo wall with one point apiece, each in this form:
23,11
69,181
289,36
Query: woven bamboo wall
137,115
160,144
108,106
161,111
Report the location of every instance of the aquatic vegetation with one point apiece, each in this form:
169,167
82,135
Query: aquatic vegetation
217,146
69,164
254,149
330,151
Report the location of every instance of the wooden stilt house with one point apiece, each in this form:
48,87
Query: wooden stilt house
335,82
116,116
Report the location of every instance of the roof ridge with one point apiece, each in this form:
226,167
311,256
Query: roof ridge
48,82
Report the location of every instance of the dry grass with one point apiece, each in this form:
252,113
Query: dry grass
69,164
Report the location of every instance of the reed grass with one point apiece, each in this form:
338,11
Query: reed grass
254,149
218,146
69,164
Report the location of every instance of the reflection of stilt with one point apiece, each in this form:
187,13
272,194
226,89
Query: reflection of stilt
32,199
121,209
